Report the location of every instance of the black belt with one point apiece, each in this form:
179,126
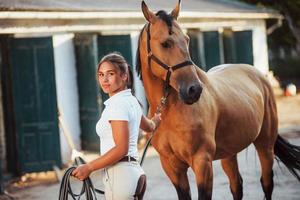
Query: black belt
127,159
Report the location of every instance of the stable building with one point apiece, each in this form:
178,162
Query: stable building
49,52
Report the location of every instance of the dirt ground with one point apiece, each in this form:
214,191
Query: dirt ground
31,185
288,111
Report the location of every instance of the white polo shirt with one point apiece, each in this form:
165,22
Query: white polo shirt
121,106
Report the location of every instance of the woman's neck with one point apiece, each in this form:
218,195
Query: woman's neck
117,91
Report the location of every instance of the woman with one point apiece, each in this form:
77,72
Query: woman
118,129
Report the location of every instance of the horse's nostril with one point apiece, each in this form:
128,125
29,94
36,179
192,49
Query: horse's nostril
191,90
194,91
190,94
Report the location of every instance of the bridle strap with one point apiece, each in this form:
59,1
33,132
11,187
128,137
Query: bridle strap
169,69
183,64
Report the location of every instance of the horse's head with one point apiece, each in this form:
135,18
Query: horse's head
168,54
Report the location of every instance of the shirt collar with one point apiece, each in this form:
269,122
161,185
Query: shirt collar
120,94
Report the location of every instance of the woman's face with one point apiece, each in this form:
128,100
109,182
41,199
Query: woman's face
111,79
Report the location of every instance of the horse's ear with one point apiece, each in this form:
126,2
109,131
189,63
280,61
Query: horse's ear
175,12
149,15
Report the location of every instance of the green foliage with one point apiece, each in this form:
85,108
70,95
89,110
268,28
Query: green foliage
281,37
286,69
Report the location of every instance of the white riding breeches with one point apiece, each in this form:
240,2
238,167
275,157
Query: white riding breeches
120,180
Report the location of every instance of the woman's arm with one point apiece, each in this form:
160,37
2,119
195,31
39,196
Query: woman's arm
149,125
120,132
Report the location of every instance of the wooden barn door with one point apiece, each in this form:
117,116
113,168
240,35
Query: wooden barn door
86,62
34,96
238,46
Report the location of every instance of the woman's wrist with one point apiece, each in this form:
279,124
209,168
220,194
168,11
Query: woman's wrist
155,121
90,167
153,125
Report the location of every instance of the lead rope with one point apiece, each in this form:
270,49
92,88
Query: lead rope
159,108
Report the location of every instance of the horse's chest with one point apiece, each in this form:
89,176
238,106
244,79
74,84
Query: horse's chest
181,143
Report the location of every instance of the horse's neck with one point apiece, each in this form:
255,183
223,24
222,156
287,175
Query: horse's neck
202,76
154,88
209,93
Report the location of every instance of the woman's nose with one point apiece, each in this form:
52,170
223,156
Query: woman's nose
105,78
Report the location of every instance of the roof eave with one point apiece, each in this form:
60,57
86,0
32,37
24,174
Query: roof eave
231,15
132,14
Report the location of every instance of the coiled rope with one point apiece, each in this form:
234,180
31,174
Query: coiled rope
87,188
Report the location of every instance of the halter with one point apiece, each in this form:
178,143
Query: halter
169,69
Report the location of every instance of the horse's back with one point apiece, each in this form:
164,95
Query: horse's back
238,75
233,69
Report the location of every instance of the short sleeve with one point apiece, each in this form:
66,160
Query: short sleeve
118,111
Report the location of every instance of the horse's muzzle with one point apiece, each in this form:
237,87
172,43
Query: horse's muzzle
190,94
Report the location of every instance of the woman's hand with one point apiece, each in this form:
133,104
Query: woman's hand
82,172
150,125
156,120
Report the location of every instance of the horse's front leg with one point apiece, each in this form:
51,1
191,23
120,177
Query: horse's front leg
202,167
177,172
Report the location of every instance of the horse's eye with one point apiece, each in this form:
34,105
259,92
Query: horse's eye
166,44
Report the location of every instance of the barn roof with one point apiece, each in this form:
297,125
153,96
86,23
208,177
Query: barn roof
226,7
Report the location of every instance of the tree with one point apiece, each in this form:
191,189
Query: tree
290,9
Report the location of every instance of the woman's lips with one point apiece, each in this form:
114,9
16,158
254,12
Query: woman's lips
105,86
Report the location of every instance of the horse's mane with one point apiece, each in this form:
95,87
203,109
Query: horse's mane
167,18
138,59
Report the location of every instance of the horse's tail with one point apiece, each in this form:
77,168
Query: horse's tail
289,154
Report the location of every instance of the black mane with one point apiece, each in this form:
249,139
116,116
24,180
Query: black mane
167,18
138,59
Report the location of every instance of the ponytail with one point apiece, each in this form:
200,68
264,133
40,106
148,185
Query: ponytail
130,82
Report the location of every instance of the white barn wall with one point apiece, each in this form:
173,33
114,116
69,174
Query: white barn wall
260,48
67,92
138,85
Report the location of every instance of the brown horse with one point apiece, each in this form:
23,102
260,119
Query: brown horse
208,116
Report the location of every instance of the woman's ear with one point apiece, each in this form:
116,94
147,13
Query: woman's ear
125,77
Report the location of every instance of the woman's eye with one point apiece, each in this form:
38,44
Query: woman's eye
100,75
111,74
